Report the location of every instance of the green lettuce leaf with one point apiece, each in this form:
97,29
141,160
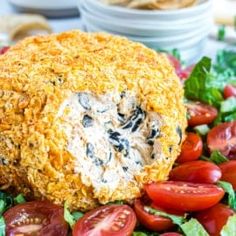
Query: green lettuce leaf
193,228
19,199
230,228
228,188
71,218
2,227
178,220
201,84
218,158
6,201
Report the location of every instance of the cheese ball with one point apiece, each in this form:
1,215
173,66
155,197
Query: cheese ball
87,118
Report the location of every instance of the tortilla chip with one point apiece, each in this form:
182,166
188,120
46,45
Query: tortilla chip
14,25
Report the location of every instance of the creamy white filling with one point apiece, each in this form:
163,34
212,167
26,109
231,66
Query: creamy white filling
111,137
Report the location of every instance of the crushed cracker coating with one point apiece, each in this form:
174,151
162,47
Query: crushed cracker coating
39,73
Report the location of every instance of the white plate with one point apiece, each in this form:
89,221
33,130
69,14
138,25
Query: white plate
170,15
45,4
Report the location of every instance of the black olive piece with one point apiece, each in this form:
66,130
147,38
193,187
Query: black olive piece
120,144
90,150
125,168
122,94
135,120
84,101
179,132
121,117
98,162
153,156
137,124
104,181
87,121
138,163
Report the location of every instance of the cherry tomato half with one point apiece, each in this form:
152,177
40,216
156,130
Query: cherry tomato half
184,196
191,148
223,138
229,91
200,113
228,170
214,218
117,220
39,218
196,172
150,221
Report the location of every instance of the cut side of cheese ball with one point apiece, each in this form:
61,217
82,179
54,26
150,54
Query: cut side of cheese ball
87,118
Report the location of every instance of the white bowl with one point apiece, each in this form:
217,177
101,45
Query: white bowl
140,29
84,6
181,41
167,15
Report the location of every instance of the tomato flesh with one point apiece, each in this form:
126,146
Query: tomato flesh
196,172
184,196
191,148
223,138
214,218
117,220
39,218
228,170
200,113
4,49
150,221
229,91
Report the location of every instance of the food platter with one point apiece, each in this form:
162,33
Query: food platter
104,135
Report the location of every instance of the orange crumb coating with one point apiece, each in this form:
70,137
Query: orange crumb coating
39,73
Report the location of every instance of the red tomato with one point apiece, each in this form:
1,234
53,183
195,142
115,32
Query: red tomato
214,218
191,148
150,221
36,218
117,220
184,196
229,91
223,138
3,50
200,113
185,73
171,234
196,172
228,170
175,62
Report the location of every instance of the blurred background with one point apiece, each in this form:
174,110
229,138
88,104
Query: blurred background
190,27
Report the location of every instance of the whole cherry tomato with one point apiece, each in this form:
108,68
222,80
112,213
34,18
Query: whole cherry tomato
228,170
191,148
150,221
229,91
214,218
196,172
